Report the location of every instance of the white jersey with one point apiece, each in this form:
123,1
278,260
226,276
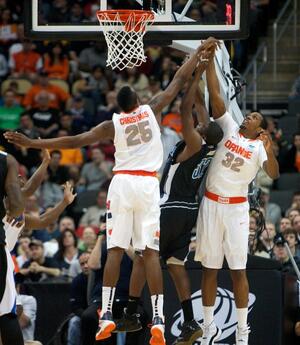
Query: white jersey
236,162
137,140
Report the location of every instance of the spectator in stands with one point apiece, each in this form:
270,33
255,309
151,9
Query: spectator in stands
30,158
67,123
26,312
56,63
267,238
295,92
93,213
292,213
95,85
68,254
272,211
95,173
88,241
82,118
57,96
296,201
78,300
105,112
27,126
23,250
291,237
8,28
77,15
281,255
291,160
3,67
49,193
45,118
26,63
154,86
285,223
92,56
59,12
66,223
69,156
39,267
10,112
137,80
17,46
296,225
51,237
57,173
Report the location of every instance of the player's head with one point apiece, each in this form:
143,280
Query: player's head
254,122
127,99
211,133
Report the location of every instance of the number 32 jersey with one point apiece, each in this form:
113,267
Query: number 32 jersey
137,140
236,162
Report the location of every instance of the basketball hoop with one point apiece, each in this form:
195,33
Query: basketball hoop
124,31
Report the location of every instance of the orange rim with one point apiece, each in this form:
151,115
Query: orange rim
110,15
123,16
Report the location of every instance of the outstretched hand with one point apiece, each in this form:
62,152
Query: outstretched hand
69,196
18,139
265,137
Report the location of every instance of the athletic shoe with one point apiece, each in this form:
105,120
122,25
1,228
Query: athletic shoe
128,323
106,326
242,335
191,331
211,334
157,332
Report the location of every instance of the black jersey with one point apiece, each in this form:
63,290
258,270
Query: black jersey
181,181
3,173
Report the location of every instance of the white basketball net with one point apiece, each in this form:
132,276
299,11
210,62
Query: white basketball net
124,37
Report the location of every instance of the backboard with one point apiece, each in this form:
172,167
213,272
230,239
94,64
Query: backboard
174,19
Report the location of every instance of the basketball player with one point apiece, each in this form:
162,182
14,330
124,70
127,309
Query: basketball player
181,179
223,222
10,188
133,197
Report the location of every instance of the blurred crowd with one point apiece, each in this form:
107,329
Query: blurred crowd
52,89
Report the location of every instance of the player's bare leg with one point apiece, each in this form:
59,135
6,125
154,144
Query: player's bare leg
209,292
191,329
155,284
110,278
241,295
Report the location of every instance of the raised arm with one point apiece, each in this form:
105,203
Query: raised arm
37,178
216,101
184,73
49,217
103,131
190,135
14,200
201,111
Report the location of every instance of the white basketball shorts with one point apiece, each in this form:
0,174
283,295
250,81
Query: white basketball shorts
222,230
133,212
8,300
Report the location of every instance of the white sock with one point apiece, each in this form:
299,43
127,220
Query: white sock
242,314
157,305
208,315
108,294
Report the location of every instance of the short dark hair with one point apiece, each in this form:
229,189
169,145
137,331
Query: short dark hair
127,98
264,122
213,134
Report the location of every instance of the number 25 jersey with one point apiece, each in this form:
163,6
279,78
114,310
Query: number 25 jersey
137,140
236,162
